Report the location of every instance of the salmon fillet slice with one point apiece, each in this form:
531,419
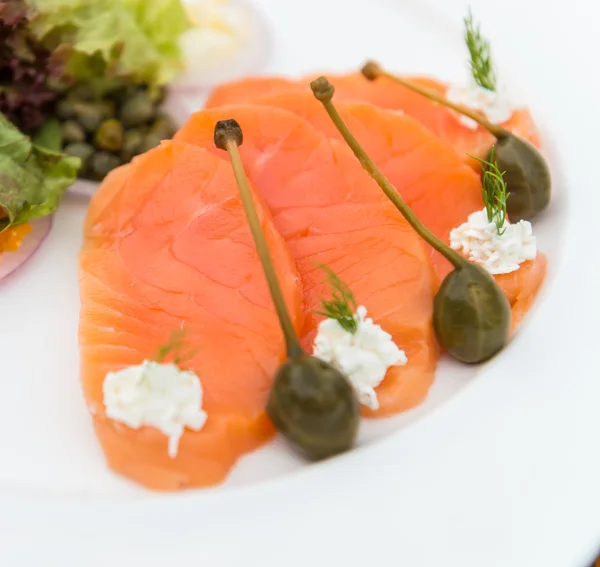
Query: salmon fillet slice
411,157
242,90
522,287
390,95
330,211
408,154
167,246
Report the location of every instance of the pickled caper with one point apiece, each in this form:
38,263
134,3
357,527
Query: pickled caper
109,135
65,108
159,95
132,143
101,164
525,170
311,403
73,132
123,94
137,110
90,115
471,314
149,141
80,150
109,109
163,127
82,92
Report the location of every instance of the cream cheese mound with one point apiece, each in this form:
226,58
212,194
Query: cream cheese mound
364,356
494,104
155,395
478,240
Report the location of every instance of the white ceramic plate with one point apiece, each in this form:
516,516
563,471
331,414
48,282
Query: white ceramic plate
503,473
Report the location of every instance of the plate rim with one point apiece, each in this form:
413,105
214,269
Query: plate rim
473,399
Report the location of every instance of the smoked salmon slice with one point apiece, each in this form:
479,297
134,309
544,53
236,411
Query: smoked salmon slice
522,286
242,90
410,156
413,159
329,210
166,247
390,95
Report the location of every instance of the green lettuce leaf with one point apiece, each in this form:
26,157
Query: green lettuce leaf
114,38
49,135
32,179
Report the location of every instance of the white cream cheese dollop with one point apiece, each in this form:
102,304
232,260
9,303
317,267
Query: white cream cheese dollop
155,395
478,239
364,356
494,104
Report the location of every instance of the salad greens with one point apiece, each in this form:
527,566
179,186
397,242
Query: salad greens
32,179
108,41
28,72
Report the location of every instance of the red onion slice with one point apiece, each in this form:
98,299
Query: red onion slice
11,261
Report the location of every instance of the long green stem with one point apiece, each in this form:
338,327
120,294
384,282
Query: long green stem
372,71
323,91
294,350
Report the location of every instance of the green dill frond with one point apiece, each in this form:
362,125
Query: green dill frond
494,191
175,346
481,64
342,305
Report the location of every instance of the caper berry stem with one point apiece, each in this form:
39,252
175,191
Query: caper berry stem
372,70
323,91
228,136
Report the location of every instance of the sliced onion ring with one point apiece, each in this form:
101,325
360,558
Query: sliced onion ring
11,261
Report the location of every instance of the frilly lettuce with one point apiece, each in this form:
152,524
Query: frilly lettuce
112,39
32,179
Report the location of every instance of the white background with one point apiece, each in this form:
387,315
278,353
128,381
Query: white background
506,474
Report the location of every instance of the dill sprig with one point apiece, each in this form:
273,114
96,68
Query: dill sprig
494,192
175,345
481,64
342,304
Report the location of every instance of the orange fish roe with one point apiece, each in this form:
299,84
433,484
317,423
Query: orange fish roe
11,238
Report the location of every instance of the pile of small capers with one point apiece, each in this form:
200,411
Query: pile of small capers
108,131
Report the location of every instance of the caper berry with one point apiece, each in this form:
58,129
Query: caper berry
315,407
73,132
311,403
101,164
525,170
109,135
471,315
526,174
137,110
